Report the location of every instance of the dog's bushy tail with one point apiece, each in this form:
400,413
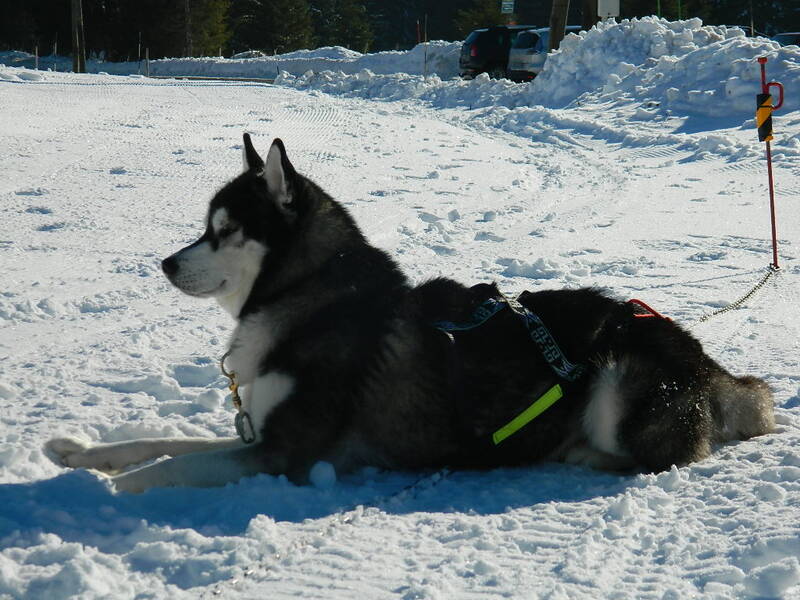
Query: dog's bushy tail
743,407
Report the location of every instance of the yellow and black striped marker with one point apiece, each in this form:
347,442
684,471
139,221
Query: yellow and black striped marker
764,117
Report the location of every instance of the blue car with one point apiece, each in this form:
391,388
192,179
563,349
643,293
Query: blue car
788,39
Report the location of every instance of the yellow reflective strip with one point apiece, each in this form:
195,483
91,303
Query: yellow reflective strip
762,114
529,414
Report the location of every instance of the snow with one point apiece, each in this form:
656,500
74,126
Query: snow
631,163
432,57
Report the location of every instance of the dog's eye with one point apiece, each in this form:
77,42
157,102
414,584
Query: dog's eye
227,230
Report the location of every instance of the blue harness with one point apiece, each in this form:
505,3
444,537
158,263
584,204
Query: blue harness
538,331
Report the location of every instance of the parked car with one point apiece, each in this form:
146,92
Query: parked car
486,50
249,54
749,31
529,51
788,39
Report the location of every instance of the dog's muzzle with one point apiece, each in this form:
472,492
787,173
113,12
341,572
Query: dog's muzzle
170,266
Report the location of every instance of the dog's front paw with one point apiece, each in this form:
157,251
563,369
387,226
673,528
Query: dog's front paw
75,453
61,450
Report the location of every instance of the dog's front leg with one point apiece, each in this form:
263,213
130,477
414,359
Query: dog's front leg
200,469
113,457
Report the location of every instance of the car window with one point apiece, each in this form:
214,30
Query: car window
544,41
526,39
787,38
472,37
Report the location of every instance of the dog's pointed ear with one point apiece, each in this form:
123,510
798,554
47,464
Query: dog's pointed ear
252,161
279,175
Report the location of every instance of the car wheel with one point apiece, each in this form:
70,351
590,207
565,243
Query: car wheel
497,73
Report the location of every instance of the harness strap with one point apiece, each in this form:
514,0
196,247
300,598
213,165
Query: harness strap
538,331
551,351
642,310
540,405
487,309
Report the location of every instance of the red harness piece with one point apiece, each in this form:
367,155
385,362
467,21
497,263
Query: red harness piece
648,311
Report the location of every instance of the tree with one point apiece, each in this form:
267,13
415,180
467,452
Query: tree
274,26
116,27
442,17
341,23
669,8
162,25
394,23
480,14
209,26
18,28
768,16
291,24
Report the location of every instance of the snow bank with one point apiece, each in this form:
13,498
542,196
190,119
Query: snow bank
12,74
434,57
441,57
681,66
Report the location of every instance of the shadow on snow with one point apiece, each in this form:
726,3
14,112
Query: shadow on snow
77,506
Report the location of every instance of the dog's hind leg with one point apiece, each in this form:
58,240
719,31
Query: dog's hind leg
655,417
679,423
111,458
200,469
742,407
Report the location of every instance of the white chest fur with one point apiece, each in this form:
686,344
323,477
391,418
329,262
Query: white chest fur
264,395
253,339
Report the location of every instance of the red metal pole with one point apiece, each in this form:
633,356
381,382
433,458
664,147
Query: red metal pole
765,90
772,209
762,60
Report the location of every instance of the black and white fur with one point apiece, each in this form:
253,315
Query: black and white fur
338,360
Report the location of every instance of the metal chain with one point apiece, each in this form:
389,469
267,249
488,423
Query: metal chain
771,270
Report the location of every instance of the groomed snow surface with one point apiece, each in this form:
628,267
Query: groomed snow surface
631,163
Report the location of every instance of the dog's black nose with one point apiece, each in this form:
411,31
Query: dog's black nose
170,266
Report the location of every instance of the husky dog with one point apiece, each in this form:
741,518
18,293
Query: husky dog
339,359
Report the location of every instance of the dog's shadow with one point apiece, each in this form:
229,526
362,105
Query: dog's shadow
78,506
